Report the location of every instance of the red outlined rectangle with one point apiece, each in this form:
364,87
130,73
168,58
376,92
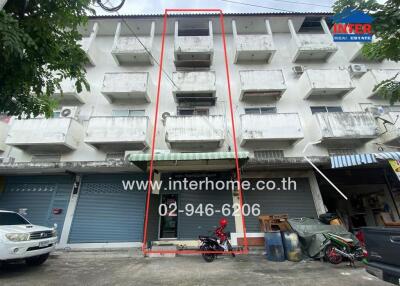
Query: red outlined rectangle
151,171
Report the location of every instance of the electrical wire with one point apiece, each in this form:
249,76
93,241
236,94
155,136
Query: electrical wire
276,9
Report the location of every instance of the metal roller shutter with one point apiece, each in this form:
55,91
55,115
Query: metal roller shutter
106,212
295,203
190,227
39,195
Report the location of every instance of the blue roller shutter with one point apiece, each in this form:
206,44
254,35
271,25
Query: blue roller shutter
106,212
295,203
39,195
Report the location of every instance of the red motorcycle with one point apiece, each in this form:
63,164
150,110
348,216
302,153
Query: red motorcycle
218,243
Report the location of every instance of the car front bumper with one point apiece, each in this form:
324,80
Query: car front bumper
10,250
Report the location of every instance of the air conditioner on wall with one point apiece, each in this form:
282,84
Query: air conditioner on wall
357,70
69,112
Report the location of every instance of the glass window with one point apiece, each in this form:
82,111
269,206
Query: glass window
318,109
193,111
260,110
128,112
11,219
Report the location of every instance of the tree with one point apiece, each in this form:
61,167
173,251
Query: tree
39,48
386,28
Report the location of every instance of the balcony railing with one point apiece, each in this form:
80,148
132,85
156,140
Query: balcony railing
118,133
312,47
125,86
193,51
202,83
347,126
276,127
207,132
261,84
130,50
70,95
45,135
370,79
323,84
257,48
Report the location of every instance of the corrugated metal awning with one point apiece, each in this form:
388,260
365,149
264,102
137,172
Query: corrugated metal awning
352,160
362,159
187,156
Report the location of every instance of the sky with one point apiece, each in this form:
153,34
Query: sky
158,6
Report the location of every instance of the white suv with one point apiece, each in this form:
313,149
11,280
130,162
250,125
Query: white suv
21,240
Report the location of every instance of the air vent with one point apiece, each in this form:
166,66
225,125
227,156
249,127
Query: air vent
46,158
357,70
341,151
268,154
115,156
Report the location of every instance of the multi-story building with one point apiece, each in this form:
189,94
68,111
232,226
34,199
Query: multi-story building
294,91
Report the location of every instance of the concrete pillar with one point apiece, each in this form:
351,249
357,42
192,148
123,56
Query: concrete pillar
316,194
210,28
234,29
117,34
152,30
70,212
176,29
325,27
293,32
268,27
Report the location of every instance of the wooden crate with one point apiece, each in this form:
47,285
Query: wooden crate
274,222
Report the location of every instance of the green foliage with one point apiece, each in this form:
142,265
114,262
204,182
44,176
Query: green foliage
386,28
39,48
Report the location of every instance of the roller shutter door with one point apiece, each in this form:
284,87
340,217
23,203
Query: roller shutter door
105,212
295,203
190,227
38,195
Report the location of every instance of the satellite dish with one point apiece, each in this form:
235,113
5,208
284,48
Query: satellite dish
111,5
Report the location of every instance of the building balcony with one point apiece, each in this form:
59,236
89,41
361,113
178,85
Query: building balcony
373,77
346,127
256,48
188,85
130,50
3,133
87,44
261,84
127,86
69,95
45,135
312,47
118,133
325,84
193,46
195,132
268,128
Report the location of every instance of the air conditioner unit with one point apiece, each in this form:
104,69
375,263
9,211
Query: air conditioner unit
69,112
298,70
357,70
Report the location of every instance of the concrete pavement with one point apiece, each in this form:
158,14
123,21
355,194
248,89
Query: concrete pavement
116,268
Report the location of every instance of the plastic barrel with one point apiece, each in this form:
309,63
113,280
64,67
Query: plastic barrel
274,246
291,245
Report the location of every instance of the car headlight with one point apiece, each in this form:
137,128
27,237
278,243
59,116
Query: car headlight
17,236
54,233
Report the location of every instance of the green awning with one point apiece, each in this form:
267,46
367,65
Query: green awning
140,157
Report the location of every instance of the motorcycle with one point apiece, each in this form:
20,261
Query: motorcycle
335,248
218,244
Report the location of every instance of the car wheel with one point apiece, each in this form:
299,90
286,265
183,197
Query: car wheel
37,260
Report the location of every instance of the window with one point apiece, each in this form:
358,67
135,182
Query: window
7,218
260,110
268,154
50,158
56,114
319,109
311,25
128,112
193,111
341,151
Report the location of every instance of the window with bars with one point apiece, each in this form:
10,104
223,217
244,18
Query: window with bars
49,158
319,109
341,151
192,111
260,110
115,156
128,112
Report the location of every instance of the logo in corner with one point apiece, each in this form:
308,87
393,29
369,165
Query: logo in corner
352,25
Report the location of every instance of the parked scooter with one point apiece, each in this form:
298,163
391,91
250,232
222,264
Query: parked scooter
335,248
219,244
